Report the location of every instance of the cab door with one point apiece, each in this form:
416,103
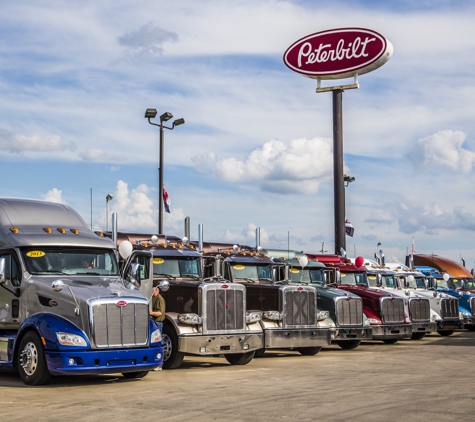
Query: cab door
10,272
143,258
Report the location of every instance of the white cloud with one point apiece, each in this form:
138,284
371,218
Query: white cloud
16,144
277,167
54,195
443,149
146,42
100,155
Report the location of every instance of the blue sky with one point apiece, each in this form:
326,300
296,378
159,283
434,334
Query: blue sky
76,78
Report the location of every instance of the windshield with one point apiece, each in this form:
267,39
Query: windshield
251,272
176,267
412,284
70,261
372,280
389,281
441,283
314,276
354,279
470,283
421,282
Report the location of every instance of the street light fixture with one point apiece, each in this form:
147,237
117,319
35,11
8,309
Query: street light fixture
347,180
109,197
151,113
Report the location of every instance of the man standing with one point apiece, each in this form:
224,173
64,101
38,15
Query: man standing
158,308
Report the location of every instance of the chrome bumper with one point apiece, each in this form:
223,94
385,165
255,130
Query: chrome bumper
391,332
423,327
220,344
352,333
449,325
299,337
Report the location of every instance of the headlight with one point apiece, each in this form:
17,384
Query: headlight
191,319
466,315
273,315
373,321
322,315
156,337
252,317
67,339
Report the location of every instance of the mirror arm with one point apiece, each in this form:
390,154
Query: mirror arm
15,292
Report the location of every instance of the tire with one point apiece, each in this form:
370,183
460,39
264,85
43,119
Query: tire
418,336
131,375
391,341
172,358
308,351
259,352
446,333
348,344
239,358
470,327
31,360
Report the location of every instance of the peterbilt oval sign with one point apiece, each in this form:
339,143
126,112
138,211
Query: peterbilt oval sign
338,53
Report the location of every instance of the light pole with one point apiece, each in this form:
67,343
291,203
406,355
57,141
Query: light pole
150,113
109,197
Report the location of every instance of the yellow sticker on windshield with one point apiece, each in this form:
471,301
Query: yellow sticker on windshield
158,260
372,277
239,267
343,274
35,254
294,270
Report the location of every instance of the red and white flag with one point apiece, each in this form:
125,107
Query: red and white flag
166,200
349,229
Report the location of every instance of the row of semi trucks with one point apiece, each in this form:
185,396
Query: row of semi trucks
74,301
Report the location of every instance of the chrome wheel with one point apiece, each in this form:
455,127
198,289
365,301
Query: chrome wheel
167,347
29,358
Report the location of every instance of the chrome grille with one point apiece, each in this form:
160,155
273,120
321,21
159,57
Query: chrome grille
392,310
349,311
419,309
472,305
299,306
449,308
119,326
223,307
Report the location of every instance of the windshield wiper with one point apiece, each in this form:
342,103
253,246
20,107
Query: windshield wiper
51,271
194,277
88,273
164,275
247,279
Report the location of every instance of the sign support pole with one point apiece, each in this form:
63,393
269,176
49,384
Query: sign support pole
338,183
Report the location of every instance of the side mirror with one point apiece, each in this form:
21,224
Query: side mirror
432,283
164,285
379,280
57,285
2,270
337,277
135,274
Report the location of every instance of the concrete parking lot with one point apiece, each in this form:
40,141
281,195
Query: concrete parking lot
431,379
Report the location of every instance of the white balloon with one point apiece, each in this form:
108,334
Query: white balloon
446,277
410,278
125,249
303,261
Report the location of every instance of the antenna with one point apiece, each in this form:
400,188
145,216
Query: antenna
91,208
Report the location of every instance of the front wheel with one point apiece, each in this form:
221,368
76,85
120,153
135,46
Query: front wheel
239,358
31,360
172,358
308,351
390,341
446,333
348,344
470,327
131,375
418,336
259,352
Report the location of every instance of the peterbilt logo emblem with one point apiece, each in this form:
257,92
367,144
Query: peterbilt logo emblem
225,286
121,303
300,288
53,303
338,53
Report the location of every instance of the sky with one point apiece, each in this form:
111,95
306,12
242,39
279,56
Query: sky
256,146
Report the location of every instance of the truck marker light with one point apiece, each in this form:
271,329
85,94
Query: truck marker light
61,230
14,230
75,231
47,230
121,303
43,341
101,234
202,349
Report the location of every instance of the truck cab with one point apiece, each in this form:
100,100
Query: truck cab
384,310
64,309
348,324
203,317
290,318
417,306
